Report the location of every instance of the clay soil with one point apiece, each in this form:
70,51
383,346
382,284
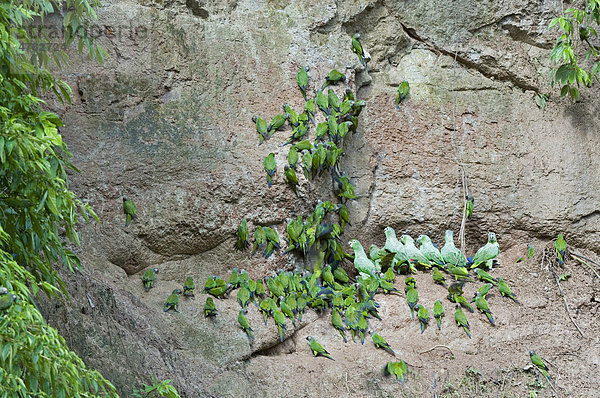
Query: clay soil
446,363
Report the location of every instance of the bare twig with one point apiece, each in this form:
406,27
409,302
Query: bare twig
435,394
92,306
437,346
347,388
549,383
580,259
565,302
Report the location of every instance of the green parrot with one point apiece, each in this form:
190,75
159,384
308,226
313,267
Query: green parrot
338,324
430,251
530,250
189,287
341,275
265,308
270,167
450,253
485,277
483,306
381,343
307,160
209,307
412,296
243,297
241,244
309,108
333,100
357,49
461,320
403,90
272,241
393,245
293,156
505,290
210,283
302,79
423,316
245,325
260,289
482,291
346,188
348,94
410,282
333,77
261,129
389,275
280,322
361,262
332,128
6,300
414,254
301,304
327,276
220,291
234,277
439,278
129,210
323,103
397,369
487,252
317,349
459,273
386,286
539,363
345,107
469,206
287,310
172,301
148,278
438,313
460,299
357,108
322,129
276,123
291,177
292,115
561,249
455,289
260,239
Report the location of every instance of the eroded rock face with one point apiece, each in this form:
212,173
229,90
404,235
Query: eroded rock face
167,122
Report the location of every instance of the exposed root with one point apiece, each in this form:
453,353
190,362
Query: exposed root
437,346
549,382
581,259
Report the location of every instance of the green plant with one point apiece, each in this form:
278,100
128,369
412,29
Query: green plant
158,389
37,209
576,27
34,358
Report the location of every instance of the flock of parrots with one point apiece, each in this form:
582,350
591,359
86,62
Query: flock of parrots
285,295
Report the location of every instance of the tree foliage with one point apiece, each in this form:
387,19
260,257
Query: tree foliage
577,28
34,359
38,212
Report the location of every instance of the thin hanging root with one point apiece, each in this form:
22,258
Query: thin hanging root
581,258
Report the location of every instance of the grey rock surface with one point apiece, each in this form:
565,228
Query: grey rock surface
167,122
